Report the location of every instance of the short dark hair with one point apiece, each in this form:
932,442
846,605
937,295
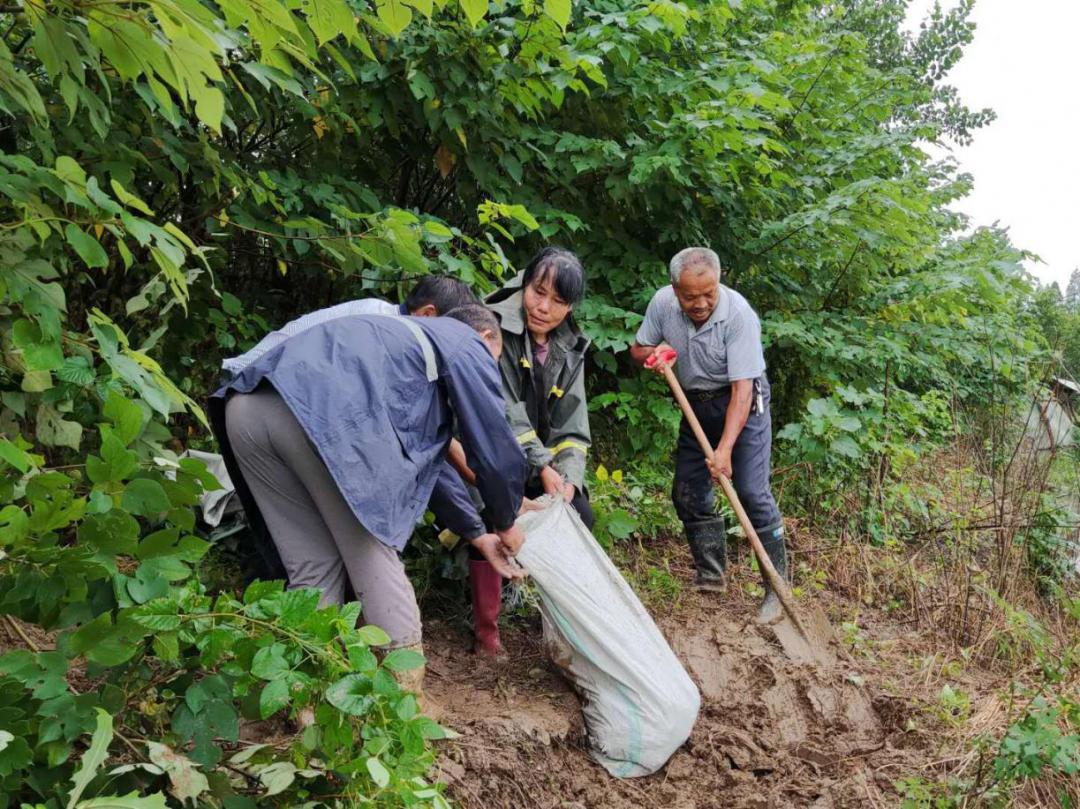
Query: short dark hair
566,271
442,292
476,316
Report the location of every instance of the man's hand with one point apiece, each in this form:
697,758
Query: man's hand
528,505
658,360
455,454
552,481
511,539
720,464
492,549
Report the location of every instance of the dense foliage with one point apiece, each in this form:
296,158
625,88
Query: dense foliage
177,176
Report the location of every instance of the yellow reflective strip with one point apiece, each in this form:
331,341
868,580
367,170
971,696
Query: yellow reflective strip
557,392
524,438
569,445
525,363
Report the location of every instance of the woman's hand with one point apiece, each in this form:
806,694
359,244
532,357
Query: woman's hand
552,481
492,549
568,492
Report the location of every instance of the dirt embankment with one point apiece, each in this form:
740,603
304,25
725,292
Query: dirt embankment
770,733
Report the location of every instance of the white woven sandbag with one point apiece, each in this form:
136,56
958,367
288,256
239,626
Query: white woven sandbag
639,703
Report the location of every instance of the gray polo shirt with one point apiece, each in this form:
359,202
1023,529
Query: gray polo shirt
725,349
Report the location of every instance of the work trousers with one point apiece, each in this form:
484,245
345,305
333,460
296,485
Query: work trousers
320,540
692,491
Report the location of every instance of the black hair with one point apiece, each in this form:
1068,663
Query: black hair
476,316
565,269
442,292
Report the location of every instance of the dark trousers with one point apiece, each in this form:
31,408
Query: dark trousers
692,491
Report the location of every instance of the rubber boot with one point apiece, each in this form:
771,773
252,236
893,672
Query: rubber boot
486,586
708,545
772,537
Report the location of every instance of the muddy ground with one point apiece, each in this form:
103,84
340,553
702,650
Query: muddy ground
770,733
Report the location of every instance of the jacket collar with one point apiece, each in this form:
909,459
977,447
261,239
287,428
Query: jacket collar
508,305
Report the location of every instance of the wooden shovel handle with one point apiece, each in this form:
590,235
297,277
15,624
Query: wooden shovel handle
777,582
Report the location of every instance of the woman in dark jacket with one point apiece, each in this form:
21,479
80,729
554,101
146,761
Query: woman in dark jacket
543,376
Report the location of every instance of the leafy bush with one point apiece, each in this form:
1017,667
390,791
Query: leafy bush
113,570
628,504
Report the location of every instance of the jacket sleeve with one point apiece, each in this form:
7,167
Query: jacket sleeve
453,507
570,438
475,393
537,455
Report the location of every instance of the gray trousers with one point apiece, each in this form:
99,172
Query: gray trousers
319,538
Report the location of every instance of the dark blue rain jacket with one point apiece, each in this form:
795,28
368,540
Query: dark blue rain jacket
360,388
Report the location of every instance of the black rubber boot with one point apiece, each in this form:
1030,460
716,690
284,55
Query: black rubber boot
772,537
708,544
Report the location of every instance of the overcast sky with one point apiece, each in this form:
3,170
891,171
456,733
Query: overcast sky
1024,65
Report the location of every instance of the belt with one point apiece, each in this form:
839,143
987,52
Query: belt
708,395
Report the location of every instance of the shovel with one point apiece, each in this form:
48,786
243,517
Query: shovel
805,636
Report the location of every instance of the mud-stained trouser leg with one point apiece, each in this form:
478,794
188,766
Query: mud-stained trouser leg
692,494
315,531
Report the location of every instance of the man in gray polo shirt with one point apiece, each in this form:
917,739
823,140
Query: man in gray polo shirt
721,366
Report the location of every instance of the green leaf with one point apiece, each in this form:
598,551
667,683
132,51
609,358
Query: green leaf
88,248
278,777
351,694
403,660
93,758
166,645
36,381
105,643
130,199
145,497
474,10
558,10
378,772
159,615
114,532
159,543
14,456
40,353
126,417
298,605
373,635
269,662
210,106
394,14
329,19
76,371
621,524
115,464
132,800
54,431
258,590
274,697
845,445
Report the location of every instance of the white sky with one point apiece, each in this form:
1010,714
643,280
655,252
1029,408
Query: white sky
1026,164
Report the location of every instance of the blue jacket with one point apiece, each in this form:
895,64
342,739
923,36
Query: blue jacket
381,418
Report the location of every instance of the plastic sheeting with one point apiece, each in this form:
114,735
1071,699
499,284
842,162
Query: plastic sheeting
639,703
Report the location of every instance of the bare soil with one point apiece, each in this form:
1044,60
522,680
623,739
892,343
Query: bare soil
770,733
